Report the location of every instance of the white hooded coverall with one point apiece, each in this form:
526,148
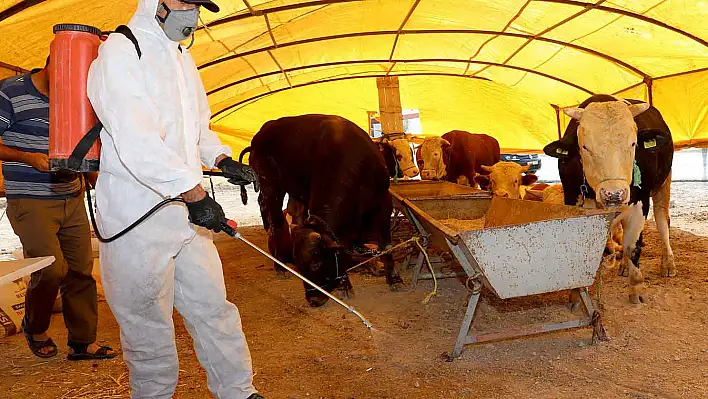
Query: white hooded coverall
155,140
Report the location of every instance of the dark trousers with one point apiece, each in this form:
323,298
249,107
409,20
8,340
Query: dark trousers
58,228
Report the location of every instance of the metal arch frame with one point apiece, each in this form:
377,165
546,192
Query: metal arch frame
12,68
566,2
629,14
398,34
378,75
23,5
354,62
410,74
402,61
254,13
590,51
18,8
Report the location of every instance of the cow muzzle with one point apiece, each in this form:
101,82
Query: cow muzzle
612,194
411,172
502,194
429,174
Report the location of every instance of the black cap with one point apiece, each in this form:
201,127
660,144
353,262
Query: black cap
208,4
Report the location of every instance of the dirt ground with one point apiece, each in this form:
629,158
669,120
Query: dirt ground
657,349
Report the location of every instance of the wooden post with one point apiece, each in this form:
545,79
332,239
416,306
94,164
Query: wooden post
390,105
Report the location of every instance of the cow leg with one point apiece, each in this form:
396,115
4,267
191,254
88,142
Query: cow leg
662,199
636,278
618,241
380,228
280,244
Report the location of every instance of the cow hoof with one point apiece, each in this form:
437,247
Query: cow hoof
636,299
574,306
395,283
668,268
397,286
316,302
623,271
281,273
345,294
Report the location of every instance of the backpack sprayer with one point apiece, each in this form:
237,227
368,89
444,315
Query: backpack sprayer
74,129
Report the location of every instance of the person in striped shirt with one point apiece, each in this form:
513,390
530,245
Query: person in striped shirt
46,210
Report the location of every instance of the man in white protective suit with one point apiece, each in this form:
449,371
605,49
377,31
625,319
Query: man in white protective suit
156,137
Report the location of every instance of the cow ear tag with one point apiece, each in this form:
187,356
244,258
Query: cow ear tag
650,144
561,151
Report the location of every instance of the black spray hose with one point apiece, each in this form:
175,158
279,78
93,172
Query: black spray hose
229,227
133,225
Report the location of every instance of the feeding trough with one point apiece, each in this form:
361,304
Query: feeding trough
514,248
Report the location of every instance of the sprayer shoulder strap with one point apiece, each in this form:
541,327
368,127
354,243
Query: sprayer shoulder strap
84,145
125,31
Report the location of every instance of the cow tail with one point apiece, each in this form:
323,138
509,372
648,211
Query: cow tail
244,194
244,152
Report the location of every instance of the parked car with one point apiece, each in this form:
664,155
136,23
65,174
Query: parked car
523,160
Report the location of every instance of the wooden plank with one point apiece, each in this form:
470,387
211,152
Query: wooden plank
390,105
15,269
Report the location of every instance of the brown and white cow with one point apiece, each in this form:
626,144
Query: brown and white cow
619,152
506,179
398,154
457,156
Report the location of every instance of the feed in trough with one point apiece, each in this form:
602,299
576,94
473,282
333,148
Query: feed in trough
464,224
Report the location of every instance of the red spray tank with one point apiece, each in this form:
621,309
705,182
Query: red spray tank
71,116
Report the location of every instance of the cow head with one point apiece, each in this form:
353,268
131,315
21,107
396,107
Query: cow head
398,151
606,142
505,179
432,153
318,258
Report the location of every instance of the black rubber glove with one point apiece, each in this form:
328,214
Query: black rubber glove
206,213
238,173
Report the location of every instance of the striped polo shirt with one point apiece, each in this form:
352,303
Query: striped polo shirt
24,126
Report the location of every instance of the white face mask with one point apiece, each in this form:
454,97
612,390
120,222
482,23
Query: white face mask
178,24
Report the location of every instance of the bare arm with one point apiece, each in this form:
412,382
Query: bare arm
36,160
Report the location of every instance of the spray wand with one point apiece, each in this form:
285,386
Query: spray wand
229,228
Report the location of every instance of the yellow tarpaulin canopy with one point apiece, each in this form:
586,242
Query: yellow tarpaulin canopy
501,67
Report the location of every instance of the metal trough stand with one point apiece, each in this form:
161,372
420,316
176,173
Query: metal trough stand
526,248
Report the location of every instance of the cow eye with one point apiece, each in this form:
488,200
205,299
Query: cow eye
399,157
634,144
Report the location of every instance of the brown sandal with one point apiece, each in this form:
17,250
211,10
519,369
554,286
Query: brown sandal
81,352
37,346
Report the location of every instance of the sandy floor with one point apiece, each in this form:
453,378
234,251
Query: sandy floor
657,349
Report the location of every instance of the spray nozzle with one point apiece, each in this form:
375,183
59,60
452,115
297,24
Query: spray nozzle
229,226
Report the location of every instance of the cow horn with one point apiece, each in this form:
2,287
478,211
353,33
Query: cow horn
638,108
575,113
444,142
487,168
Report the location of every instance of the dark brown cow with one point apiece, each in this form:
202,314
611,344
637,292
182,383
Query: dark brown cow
457,156
337,183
